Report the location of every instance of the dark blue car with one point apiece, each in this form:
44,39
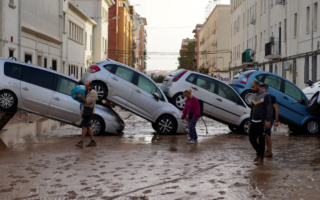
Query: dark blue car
287,94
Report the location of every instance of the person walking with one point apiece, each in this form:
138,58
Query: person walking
274,121
260,116
191,113
87,111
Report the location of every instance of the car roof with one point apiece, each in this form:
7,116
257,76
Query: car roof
34,66
206,76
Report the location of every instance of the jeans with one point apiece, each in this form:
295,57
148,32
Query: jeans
257,131
192,128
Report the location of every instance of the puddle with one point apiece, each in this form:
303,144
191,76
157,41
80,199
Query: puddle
14,134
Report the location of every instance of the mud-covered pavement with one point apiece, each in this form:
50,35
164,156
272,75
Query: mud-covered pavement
143,165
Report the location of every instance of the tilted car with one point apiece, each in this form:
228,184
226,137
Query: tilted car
221,102
312,93
292,102
48,93
135,92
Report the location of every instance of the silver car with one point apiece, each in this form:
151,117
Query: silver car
48,93
135,92
220,101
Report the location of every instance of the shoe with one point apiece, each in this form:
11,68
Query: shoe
191,141
79,144
259,162
196,140
92,143
268,154
256,158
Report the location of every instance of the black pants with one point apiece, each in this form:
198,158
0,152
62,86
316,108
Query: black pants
257,131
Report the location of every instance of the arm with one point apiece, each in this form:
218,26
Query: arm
277,113
184,112
80,96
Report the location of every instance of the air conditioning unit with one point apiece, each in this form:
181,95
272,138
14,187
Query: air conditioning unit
288,66
271,40
252,20
215,44
213,31
281,2
252,52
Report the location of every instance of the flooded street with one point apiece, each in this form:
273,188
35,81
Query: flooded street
44,164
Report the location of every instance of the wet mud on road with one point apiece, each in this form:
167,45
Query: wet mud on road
143,165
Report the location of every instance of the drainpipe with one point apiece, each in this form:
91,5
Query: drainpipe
62,23
19,26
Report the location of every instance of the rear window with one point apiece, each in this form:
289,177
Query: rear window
247,72
13,70
175,74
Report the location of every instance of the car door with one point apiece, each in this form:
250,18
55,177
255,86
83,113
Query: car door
203,89
228,105
121,85
142,100
63,106
15,72
37,90
291,94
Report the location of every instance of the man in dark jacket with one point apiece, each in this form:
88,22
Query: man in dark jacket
261,114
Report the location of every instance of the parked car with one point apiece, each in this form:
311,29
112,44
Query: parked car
221,102
292,102
48,93
135,92
312,93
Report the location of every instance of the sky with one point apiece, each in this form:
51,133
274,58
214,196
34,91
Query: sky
169,21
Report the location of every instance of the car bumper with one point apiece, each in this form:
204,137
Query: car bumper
183,127
114,127
170,91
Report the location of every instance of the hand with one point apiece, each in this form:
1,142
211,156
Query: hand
198,118
249,125
186,118
79,95
268,125
276,124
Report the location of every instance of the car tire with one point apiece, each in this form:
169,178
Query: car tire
244,127
101,90
294,129
233,128
8,101
313,104
154,127
247,97
311,127
97,125
179,101
166,125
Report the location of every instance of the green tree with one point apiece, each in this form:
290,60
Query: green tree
158,79
186,60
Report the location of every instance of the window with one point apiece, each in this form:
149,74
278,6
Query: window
11,4
146,85
65,85
191,78
13,70
40,61
42,78
73,70
261,7
85,41
285,30
261,41
11,53
124,73
45,62
206,83
75,32
293,91
248,18
273,81
308,19
265,6
315,16
90,42
264,39
227,93
27,57
244,19
54,65
109,67
26,74
259,78
295,25
64,23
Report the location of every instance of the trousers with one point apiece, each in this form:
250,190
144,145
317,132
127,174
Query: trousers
257,132
192,129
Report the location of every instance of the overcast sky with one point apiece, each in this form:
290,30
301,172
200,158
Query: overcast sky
161,16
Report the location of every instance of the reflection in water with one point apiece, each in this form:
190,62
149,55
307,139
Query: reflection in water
14,133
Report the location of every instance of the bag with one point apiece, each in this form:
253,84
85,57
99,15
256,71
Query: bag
76,90
87,112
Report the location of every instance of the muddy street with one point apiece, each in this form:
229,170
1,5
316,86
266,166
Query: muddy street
143,165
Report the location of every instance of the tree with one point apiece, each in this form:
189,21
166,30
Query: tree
186,59
158,79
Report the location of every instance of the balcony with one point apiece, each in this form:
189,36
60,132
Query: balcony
246,57
272,51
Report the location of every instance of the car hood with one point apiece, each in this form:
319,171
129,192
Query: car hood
109,111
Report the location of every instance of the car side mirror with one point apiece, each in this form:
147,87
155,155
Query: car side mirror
309,82
156,96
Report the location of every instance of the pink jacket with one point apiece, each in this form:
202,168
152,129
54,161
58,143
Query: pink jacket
192,106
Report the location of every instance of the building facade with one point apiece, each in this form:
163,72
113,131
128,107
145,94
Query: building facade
196,32
215,41
279,36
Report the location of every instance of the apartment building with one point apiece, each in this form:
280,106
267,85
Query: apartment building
215,41
196,32
279,36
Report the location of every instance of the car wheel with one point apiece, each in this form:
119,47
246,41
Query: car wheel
311,127
179,100
313,104
244,127
166,125
154,127
247,97
8,101
294,129
97,125
101,90
232,128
